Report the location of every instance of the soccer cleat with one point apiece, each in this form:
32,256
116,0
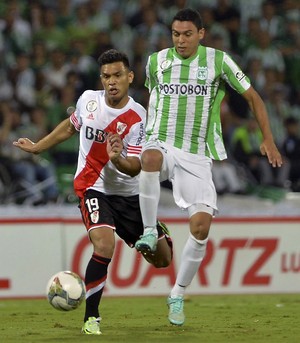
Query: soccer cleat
176,315
164,228
146,244
92,326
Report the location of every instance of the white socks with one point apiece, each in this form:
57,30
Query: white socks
149,197
191,258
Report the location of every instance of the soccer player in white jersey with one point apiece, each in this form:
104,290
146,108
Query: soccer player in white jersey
111,128
183,133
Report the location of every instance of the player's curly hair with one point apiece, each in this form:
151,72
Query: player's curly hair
188,14
112,56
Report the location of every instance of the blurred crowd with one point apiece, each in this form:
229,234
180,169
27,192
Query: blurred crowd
48,57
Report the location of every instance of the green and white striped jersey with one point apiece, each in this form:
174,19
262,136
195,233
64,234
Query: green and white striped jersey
185,98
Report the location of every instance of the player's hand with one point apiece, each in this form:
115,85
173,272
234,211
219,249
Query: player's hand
269,149
25,144
114,146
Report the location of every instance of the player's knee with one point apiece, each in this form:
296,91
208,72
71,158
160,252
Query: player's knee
200,224
199,230
151,158
103,247
105,251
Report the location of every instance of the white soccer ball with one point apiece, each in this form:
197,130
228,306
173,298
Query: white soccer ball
65,291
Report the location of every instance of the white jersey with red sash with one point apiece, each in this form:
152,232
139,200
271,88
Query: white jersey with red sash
95,119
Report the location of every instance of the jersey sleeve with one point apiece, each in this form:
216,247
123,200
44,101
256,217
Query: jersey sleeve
151,66
147,81
75,117
136,138
234,76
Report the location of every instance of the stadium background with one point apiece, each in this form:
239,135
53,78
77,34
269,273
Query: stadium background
48,57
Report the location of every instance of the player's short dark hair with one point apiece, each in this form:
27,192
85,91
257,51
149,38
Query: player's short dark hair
112,56
188,14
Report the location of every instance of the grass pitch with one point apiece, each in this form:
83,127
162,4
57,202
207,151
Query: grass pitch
213,319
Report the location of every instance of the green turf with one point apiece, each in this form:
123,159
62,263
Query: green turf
214,318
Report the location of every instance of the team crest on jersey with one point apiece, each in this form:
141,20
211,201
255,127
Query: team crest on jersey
95,216
202,73
165,64
121,127
91,106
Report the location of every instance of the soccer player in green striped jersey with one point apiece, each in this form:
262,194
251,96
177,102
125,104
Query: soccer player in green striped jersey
187,85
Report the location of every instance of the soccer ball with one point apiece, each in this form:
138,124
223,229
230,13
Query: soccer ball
65,291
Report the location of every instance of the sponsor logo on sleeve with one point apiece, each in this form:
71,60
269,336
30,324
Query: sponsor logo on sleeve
240,75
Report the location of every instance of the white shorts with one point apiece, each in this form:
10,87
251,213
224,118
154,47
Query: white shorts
191,177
